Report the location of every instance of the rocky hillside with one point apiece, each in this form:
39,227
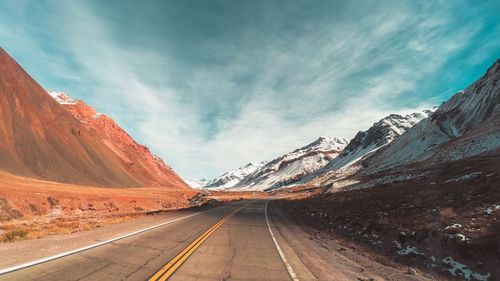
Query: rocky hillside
365,143
429,199
138,159
464,126
380,134
42,138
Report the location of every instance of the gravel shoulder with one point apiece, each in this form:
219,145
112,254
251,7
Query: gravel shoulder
28,250
328,258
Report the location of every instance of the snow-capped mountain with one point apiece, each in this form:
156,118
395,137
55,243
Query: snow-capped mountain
231,178
380,134
294,165
466,125
61,97
198,184
365,143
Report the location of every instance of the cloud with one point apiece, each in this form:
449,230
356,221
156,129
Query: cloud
250,92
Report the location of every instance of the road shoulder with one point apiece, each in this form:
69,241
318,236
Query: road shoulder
19,252
299,269
325,257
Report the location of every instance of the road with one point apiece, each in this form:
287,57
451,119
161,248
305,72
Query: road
231,242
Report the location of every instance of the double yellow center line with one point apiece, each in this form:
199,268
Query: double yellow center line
177,261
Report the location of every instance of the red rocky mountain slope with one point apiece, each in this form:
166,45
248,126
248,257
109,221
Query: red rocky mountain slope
138,158
68,143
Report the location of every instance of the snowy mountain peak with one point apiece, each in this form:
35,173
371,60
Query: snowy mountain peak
395,125
197,183
323,143
151,167
252,165
229,179
293,166
471,111
61,97
333,142
380,134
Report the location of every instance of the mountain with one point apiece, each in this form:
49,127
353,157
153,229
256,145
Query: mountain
365,143
294,165
380,134
466,125
197,184
231,178
40,137
428,199
138,159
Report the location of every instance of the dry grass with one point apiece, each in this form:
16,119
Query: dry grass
46,208
32,230
14,233
28,198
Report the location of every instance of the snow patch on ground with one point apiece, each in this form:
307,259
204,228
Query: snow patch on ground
459,236
491,209
408,250
461,270
61,97
464,177
453,226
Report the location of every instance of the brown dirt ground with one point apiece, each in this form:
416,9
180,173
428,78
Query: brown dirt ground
32,208
441,216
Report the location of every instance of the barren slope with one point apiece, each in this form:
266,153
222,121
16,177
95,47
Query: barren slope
470,115
40,138
138,159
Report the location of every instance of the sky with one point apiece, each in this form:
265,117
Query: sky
212,85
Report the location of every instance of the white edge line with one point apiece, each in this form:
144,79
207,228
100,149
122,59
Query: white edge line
282,255
35,262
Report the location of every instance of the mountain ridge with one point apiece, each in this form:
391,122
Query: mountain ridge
468,111
138,158
292,166
230,178
40,138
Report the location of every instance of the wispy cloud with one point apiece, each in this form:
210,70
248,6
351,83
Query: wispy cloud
223,97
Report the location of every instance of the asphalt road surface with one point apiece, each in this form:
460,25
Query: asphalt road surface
231,242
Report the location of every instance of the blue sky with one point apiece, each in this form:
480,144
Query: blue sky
212,85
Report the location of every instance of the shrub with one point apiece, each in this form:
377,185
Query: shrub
15,234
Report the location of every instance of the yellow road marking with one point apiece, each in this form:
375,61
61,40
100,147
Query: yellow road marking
165,272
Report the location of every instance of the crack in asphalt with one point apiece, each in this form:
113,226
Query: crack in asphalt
229,275
92,272
136,246
146,262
